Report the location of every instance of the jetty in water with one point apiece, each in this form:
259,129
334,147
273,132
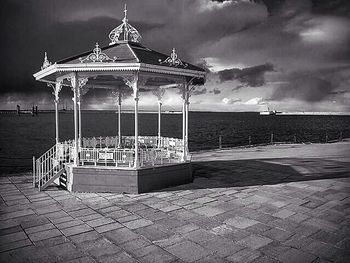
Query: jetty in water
18,111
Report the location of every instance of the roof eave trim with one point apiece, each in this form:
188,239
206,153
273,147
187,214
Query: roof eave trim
116,67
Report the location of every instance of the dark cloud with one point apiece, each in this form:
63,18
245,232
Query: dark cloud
331,7
252,76
238,87
215,91
313,86
200,91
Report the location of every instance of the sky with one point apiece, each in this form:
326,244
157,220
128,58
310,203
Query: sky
287,55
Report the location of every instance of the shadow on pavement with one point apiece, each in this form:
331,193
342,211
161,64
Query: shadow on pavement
238,173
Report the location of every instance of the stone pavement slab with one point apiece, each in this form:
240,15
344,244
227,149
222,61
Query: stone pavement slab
291,205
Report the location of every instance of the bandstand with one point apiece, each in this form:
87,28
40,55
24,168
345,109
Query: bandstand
118,163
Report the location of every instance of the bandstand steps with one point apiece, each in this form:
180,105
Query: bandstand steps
63,180
52,179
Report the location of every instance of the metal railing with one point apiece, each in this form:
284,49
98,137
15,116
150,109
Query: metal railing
46,167
106,151
129,142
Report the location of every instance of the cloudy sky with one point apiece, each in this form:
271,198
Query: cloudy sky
290,55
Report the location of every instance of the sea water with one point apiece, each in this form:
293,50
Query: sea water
23,136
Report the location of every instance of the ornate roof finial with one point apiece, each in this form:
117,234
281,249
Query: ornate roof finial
97,56
124,32
173,60
46,63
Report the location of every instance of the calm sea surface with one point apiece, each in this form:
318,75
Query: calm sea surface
23,136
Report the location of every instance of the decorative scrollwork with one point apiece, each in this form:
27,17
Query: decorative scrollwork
82,81
159,93
46,62
124,32
173,60
97,56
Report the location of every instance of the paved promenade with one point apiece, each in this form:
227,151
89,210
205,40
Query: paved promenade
268,204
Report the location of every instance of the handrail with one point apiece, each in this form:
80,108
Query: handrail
50,163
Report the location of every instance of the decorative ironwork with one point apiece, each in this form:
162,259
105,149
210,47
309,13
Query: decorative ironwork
46,62
159,93
173,60
56,89
97,56
82,81
124,32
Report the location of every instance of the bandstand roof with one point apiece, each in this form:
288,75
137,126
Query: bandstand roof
124,54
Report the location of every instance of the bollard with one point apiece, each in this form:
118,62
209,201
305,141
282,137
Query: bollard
295,138
271,141
220,141
326,137
250,140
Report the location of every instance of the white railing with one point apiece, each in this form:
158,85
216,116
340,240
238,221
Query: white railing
129,142
107,156
104,151
52,162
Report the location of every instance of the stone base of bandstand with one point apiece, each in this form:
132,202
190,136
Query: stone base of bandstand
127,180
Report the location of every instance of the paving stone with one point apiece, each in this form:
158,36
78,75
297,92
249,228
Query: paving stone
277,234
284,213
254,241
222,246
71,223
245,255
16,214
296,256
199,236
85,237
240,222
120,236
188,251
108,227
100,222
37,236
70,252
85,259
13,237
100,247
14,245
76,230
158,256
208,211
39,228
121,257
138,223
152,232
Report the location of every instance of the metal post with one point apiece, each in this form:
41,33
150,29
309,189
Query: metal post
119,120
75,85
186,134
250,140
326,137
341,136
184,157
56,118
57,89
34,171
295,138
159,122
136,163
79,111
220,141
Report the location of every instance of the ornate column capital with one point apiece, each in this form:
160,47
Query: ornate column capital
132,81
159,93
56,89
